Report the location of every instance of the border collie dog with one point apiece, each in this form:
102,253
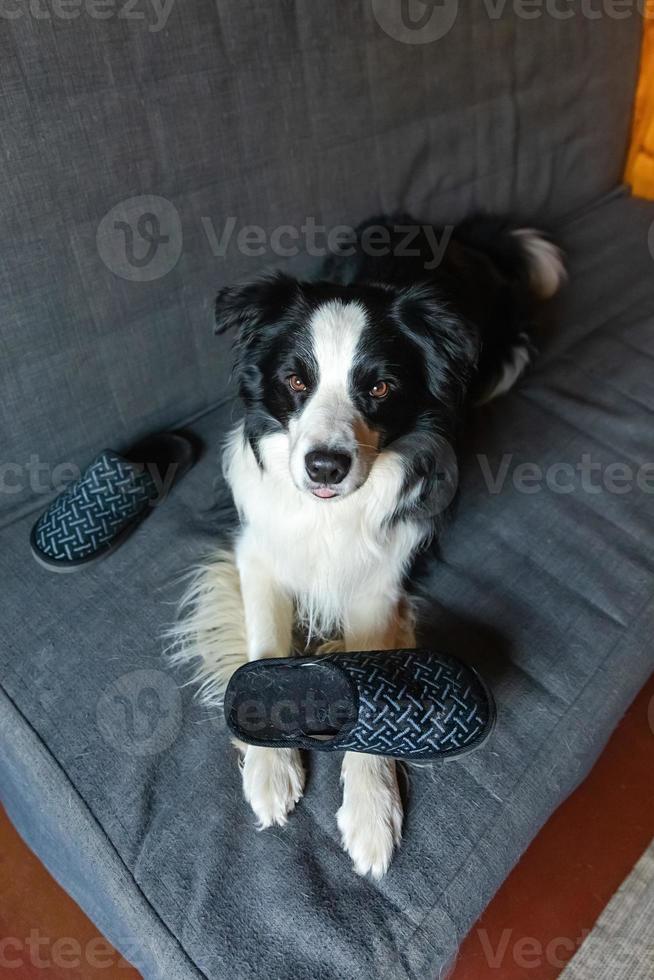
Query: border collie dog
354,388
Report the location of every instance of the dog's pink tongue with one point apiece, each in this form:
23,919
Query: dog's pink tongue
324,493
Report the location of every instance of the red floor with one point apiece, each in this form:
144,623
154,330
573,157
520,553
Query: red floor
581,856
530,929
43,934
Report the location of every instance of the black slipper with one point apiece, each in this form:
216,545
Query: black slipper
408,704
95,514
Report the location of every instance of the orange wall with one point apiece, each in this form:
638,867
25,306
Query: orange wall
640,162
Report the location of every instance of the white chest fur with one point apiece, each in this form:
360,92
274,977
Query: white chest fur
328,554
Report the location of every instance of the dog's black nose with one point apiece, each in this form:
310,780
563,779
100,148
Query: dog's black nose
324,466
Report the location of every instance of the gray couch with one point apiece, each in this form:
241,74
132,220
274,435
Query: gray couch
280,114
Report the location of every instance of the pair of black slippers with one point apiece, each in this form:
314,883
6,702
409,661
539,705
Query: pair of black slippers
408,704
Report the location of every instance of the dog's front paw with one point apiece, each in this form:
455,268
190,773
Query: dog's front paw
273,782
370,817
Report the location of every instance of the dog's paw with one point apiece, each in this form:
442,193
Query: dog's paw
273,782
370,817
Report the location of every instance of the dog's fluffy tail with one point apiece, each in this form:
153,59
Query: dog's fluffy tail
532,267
544,262
523,255
209,635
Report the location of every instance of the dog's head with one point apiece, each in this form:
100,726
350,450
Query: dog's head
345,372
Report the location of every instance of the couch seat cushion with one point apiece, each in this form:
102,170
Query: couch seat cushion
129,790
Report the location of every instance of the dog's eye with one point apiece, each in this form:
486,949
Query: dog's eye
379,390
296,383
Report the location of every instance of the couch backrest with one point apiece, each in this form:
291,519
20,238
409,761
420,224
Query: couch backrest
135,136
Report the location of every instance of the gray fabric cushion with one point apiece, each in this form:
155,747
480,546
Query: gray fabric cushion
129,791
268,114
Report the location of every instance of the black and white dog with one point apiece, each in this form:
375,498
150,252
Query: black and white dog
354,389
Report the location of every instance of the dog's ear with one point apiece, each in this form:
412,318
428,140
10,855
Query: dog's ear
251,304
449,344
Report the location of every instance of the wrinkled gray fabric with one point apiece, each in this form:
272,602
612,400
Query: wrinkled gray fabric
129,791
269,114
